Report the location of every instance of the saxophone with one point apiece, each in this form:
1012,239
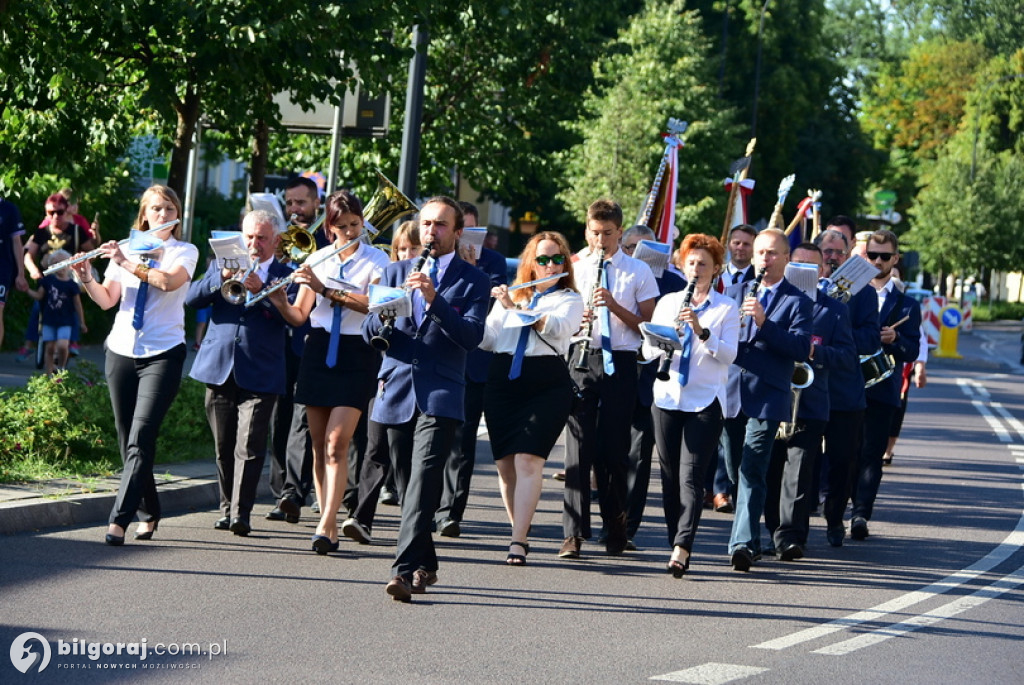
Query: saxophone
588,328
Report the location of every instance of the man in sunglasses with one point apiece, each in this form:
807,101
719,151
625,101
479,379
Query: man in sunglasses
61,233
900,319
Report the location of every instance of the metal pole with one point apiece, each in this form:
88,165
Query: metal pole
332,172
190,182
407,171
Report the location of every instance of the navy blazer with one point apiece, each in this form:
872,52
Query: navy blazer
834,351
846,386
248,342
904,349
766,361
492,263
425,367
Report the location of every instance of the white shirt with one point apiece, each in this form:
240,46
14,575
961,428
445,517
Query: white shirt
564,309
884,292
733,275
364,266
631,282
709,360
163,325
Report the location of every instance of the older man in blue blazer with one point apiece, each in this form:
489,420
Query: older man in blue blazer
899,317
774,335
243,365
421,384
794,456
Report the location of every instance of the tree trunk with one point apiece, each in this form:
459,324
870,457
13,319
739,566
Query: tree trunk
188,118
260,155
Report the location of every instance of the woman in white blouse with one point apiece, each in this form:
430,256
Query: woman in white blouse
689,406
145,350
338,370
529,392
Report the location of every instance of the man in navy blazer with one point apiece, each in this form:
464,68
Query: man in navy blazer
242,363
845,430
421,384
775,333
899,316
458,472
790,475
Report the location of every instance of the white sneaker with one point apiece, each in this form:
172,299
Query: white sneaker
353,529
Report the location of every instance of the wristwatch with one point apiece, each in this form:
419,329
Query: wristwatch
704,335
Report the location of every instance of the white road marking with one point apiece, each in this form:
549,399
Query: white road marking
948,610
1008,417
993,422
711,674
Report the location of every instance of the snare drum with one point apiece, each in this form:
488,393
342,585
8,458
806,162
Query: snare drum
876,367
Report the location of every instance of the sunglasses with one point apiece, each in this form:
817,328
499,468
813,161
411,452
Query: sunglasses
557,259
884,256
56,212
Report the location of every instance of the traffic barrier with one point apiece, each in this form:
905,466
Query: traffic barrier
930,311
967,326
950,319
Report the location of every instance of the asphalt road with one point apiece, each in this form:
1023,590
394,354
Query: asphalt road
932,596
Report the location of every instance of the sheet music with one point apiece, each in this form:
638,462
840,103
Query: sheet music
389,301
268,202
653,254
520,319
856,273
474,235
804,277
230,250
660,337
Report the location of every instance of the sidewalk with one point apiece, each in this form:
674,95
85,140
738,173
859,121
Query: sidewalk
29,507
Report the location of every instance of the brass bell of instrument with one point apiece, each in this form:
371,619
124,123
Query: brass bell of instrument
387,204
297,243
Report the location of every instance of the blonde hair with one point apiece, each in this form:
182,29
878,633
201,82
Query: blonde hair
408,230
166,193
54,257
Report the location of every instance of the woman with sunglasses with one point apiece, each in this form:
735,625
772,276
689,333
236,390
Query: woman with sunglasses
689,406
528,395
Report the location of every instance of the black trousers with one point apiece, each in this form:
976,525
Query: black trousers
419,450
687,443
791,495
240,421
141,393
867,475
598,438
638,477
376,469
458,472
843,437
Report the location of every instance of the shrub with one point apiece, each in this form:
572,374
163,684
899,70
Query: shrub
64,427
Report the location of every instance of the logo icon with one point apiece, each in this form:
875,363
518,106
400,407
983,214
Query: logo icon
24,658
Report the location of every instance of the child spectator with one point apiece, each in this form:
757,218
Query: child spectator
59,299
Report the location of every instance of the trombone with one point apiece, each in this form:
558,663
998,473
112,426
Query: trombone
92,254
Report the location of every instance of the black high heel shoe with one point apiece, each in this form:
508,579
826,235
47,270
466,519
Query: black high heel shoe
678,567
148,535
114,540
517,559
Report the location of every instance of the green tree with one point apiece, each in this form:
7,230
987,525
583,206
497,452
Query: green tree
656,69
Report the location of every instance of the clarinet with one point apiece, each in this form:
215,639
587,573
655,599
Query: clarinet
588,328
753,293
666,361
382,341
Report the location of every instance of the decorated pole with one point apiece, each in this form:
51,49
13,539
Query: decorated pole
738,186
659,210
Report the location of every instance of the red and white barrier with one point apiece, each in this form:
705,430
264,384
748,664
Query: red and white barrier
967,325
930,309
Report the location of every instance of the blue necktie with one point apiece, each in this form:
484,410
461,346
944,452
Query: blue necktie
606,328
140,300
332,348
435,268
684,354
524,338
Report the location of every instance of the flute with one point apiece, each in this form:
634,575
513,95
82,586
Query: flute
92,254
285,282
539,281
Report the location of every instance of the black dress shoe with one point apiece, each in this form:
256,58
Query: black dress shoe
223,523
615,543
114,540
835,535
323,545
449,528
240,526
791,551
147,535
290,509
858,528
276,514
742,559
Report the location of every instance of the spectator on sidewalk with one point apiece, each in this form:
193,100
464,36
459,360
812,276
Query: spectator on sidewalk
61,301
12,269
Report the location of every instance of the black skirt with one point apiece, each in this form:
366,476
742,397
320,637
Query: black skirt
526,416
352,381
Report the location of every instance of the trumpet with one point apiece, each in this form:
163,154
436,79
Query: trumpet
588,328
803,377
93,254
666,361
297,243
234,290
382,341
